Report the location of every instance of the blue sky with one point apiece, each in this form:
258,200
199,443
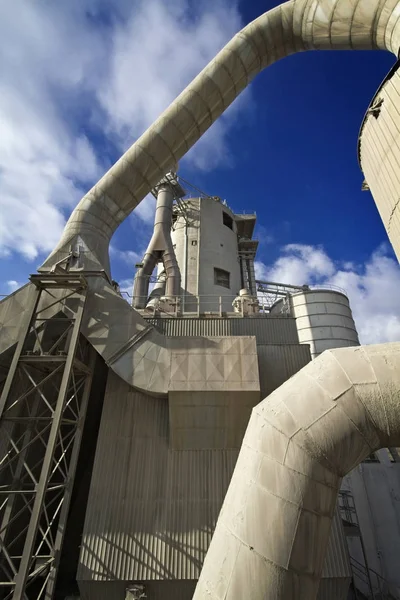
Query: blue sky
81,80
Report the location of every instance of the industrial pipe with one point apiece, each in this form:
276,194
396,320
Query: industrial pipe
292,27
158,290
159,248
272,532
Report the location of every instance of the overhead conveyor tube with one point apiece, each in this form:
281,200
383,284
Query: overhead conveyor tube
292,27
272,532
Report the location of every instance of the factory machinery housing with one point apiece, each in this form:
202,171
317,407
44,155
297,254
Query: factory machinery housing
137,457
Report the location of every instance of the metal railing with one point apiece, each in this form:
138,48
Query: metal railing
200,304
378,587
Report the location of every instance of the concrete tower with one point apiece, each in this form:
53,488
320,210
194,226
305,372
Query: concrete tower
215,252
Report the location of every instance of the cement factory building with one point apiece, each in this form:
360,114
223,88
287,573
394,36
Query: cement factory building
215,437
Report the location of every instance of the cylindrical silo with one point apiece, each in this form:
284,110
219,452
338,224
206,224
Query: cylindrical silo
379,153
323,319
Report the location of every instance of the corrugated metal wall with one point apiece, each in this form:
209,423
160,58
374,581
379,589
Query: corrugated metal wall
337,556
277,363
155,590
334,589
268,330
151,511
329,589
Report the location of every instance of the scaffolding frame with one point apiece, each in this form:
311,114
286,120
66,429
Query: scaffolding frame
42,412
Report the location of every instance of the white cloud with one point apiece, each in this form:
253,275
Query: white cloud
146,209
126,287
154,55
128,257
12,285
43,159
373,288
75,67
299,264
374,292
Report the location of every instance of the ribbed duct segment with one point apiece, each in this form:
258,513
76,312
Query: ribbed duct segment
292,27
273,529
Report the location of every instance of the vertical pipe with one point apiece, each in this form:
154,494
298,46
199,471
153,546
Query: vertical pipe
185,267
252,276
160,246
243,282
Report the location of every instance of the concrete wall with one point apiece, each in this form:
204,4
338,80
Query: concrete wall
185,237
202,240
218,248
213,387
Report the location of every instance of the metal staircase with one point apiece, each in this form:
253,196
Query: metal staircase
367,584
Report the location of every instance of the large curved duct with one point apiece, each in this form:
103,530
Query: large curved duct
272,532
292,27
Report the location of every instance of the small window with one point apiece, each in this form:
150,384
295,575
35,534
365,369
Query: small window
221,278
227,220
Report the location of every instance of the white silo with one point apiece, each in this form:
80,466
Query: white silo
379,154
323,318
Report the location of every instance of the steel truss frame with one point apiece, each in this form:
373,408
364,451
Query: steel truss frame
42,412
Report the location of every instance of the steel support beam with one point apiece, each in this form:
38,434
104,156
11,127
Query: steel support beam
42,414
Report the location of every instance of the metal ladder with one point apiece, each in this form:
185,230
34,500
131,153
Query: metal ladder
42,411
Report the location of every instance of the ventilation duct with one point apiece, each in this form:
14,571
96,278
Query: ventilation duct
160,247
158,290
273,528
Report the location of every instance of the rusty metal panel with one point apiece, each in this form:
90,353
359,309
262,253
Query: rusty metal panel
268,330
